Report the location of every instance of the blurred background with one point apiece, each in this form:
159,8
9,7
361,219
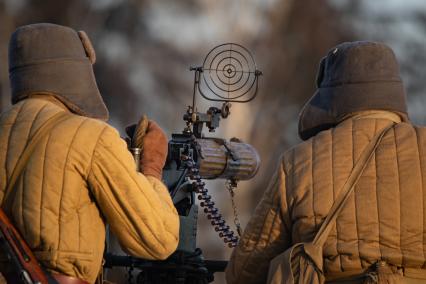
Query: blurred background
145,48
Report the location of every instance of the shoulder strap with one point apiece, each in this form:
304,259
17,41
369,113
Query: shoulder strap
29,148
348,187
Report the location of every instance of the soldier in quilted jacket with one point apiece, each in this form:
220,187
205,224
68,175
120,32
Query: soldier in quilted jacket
380,235
81,175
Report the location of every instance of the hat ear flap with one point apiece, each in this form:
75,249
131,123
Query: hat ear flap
320,74
88,47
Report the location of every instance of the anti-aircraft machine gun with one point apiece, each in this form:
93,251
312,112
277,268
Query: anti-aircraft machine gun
228,75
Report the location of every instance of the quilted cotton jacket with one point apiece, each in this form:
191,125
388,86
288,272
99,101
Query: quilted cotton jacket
385,218
77,178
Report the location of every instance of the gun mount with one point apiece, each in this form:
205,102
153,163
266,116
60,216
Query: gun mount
228,75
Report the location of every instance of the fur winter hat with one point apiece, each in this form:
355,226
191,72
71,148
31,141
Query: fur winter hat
353,77
55,60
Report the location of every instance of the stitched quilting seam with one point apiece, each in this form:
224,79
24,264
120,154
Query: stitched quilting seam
378,204
286,219
24,171
257,242
354,194
334,197
27,139
399,190
9,138
36,118
275,210
63,183
313,183
30,129
122,217
422,185
247,259
119,162
42,185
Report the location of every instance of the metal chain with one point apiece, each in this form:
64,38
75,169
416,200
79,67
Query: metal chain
231,185
216,219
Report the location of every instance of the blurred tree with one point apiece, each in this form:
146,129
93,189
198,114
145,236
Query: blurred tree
301,34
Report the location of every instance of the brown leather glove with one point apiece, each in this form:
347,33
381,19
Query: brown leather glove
154,153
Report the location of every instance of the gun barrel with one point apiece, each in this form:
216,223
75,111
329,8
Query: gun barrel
227,160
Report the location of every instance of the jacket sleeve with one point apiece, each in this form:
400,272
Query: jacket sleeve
266,235
137,207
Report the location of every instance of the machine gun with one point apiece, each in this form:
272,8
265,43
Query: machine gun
227,75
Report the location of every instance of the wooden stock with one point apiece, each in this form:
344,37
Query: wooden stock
21,251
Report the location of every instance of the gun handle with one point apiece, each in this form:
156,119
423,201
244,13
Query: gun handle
136,152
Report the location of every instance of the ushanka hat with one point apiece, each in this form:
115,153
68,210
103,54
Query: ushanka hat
56,60
353,77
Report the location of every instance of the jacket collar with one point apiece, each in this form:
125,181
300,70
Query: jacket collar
377,114
50,98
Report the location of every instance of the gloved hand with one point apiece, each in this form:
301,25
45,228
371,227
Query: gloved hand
154,152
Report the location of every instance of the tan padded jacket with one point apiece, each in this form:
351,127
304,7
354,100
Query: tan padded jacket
78,178
384,219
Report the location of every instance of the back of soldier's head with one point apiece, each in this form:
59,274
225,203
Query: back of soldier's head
55,60
353,77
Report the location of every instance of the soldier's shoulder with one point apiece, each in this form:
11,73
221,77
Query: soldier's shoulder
419,129
94,132
302,152
96,126
412,125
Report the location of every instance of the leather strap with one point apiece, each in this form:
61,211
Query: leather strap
417,273
348,187
64,279
359,275
29,148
